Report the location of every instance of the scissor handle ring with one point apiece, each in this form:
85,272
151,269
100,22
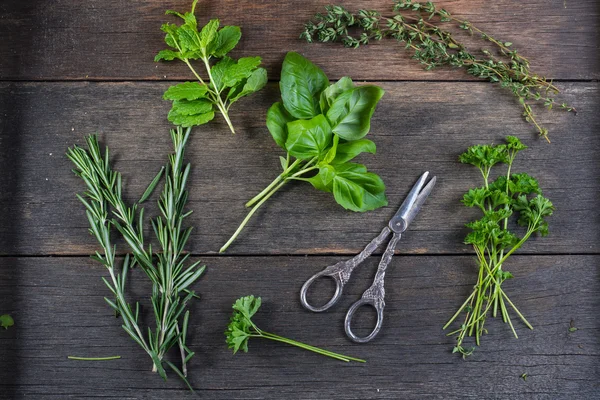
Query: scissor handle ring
352,310
336,296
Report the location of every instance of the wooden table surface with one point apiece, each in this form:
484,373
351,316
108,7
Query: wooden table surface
69,68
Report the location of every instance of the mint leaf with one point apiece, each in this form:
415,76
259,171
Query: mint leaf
277,119
208,36
350,113
190,120
256,81
308,138
167,55
227,38
186,91
187,107
301,85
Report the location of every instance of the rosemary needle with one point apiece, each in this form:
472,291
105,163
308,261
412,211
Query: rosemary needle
93,358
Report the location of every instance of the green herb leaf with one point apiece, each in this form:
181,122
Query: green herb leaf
186,91
356,189
256,81
301,85
190,120
6,321
227,38
308,138
208,37
333,91
350,113
193,107
349,150
277,119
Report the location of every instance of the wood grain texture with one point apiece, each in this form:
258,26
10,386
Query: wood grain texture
59,310
42,40
417,127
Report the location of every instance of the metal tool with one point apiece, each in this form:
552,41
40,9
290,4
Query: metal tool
340,272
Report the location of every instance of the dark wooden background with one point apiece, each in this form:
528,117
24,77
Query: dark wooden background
69,68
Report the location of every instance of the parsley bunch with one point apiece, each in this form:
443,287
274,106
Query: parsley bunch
166,269
417,25
241,329
229,80
321,127
510,196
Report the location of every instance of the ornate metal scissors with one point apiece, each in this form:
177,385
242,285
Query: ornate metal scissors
374,295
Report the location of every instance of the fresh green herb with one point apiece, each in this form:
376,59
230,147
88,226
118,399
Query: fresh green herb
94,358
417,25
6,321
228,81
171,279
241,329
322,126
524,376
573,329
510,195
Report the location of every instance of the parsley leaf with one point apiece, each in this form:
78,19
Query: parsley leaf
6,321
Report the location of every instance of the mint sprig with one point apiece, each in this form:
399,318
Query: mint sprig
195,103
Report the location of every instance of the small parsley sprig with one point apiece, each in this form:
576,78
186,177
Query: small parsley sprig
511,195
241,329
417,25
228,81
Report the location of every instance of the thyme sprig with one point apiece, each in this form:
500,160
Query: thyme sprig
170,278
418,26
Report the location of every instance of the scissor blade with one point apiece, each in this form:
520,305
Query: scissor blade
412,196
412,213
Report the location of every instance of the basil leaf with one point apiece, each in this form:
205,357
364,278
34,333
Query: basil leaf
330,156
324,179
301,84
227,39
277,119
347,151
333,91
187,91
356,189
350,114
308,138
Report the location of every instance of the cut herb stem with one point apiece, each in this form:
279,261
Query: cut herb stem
94,358
269,191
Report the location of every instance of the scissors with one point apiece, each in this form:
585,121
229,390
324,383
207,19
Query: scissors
374,295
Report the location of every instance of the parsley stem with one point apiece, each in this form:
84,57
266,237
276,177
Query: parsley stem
305,346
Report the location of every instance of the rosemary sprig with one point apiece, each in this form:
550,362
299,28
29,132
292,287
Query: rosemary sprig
417,26
166,269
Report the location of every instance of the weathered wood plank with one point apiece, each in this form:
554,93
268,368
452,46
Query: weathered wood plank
59,310
417,127
112,39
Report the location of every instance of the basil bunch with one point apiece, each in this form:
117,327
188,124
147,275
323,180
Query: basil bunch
322,126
